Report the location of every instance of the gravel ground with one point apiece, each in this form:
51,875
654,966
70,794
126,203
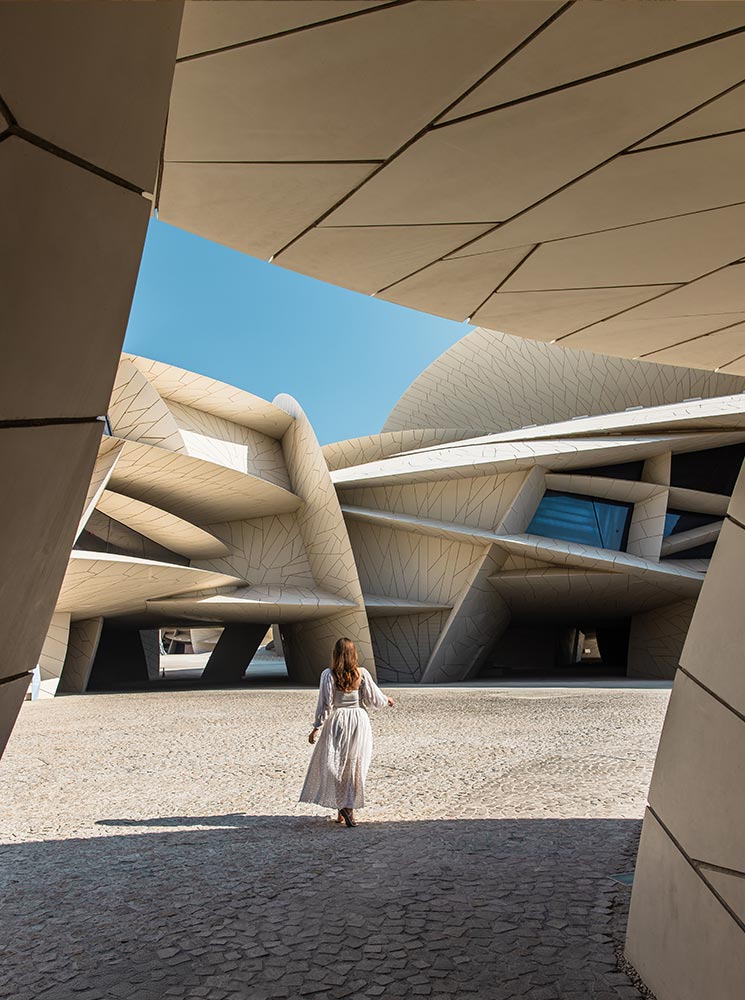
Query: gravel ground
152,847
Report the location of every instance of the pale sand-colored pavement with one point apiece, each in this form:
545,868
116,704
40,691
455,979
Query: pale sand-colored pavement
152,847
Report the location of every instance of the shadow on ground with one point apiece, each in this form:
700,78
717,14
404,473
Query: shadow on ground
293,906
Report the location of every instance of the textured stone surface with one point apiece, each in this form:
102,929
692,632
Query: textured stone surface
177,863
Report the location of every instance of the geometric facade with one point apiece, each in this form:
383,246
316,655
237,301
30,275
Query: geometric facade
211,508
568,173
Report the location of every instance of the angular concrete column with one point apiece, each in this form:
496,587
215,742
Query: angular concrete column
686,933
235,649
82,646
83,98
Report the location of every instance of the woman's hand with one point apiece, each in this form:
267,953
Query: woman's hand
312,737
391,703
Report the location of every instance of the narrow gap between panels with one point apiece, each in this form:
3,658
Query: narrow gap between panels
275,163
603,74
739,524
78,161
653,298
7,113
292,31
683,142
719,868
706,689
676,843
574,181
690,340
726,364
49,421
604,163
15,677
422,131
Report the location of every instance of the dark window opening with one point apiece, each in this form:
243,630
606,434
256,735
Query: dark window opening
588,520
713,471
624,470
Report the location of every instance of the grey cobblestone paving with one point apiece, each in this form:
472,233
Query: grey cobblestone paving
152,847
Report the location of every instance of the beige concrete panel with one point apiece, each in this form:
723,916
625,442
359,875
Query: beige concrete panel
137,412
546,593
252,604
729,885
12,693
227,443
266,550
485,457
412,566
39,464
593,38
218,23
195,490
93,79
105,584
489,378
736,508
690,539
210,396
697,500
108,453
419,525
403,645
53,652
491,167
697,780
367,259
710,350
161,526
638,187
480,502
343,454
548,315
625,490
735,367
327,545
649,338
648,526
718,615
353,90
63,226
380,606
719,294
657,470
681,940
720,116
666,252
454,288
254,208
656,640
81,652
478,618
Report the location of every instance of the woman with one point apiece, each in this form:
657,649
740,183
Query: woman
338,767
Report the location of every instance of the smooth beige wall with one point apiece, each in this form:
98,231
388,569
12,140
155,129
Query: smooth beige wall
84,91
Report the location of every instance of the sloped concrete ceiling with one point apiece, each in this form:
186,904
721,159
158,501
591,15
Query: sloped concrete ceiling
565,172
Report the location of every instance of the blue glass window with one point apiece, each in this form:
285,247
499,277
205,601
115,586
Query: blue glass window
575,518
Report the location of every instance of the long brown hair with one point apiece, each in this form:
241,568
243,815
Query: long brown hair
345,666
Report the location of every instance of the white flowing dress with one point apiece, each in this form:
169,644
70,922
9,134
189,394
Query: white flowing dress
338,768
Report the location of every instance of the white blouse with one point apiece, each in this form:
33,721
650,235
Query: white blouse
370,695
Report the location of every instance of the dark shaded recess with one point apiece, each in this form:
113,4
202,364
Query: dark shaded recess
235,649
705,551
712,471
613,644
125,658
624,470
103,534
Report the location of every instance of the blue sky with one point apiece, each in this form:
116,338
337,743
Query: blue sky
345,357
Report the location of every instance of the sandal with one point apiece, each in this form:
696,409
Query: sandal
348,819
